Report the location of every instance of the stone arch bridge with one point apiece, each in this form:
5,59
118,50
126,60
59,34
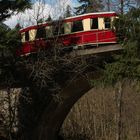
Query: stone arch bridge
45,125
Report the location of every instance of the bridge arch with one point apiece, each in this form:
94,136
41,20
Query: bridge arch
56,112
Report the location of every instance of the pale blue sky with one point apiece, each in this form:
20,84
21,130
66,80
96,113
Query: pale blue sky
50,7
52,2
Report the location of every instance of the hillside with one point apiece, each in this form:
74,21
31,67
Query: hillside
95,115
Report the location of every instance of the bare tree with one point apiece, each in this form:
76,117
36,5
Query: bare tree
123,6
119,105
9,103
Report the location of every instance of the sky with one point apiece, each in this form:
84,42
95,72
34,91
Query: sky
55,8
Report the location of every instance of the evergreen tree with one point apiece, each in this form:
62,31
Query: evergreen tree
49,18
3,31
8,7
9,39
68,12
125,65
41,20
18,26
89,6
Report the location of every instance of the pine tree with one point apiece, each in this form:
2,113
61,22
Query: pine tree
68,12
3,31
8,7
41,20
89,6
126,65
49,18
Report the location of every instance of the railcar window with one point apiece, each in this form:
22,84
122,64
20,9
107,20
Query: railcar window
107,22
62,29
67,27
77,26
55,30
27,36
94,23
22,36
49,32
58,29
41,32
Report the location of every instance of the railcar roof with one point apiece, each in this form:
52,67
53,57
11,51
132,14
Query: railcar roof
88,14
73,17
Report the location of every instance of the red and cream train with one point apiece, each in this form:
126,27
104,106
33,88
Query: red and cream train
83,30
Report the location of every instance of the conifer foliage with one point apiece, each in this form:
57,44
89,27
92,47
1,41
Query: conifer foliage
8,7
68,12
9,40
89,6
126,65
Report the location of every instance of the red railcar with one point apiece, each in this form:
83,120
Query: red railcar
88,29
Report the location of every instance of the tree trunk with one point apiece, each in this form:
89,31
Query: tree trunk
119,94
122,7
108,5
